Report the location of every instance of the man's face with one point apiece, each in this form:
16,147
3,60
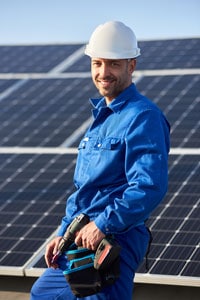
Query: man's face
112,76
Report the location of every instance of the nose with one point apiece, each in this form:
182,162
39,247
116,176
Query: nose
104,70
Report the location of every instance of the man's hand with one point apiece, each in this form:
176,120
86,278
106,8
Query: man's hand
51,250
89,236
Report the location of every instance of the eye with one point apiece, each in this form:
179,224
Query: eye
115,63
96,63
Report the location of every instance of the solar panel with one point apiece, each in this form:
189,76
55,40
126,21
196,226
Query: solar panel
42,118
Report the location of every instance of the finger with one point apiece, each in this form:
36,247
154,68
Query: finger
78,240
56,247
46,256
49,254
48,260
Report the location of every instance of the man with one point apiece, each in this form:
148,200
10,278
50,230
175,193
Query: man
121,170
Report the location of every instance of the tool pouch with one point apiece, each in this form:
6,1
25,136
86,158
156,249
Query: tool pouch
83,278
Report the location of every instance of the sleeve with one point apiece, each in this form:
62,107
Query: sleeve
146,169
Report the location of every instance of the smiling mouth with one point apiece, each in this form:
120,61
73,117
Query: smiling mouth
105,82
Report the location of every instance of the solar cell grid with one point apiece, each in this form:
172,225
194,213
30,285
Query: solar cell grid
28,244
185,199
33,59
174,252
182,238
161,237
169,54
7,243
177,211
16,259
192,268
168,267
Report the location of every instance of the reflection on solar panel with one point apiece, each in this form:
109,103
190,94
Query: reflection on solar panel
44,112
5,84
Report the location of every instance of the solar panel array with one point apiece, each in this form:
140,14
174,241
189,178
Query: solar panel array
44,110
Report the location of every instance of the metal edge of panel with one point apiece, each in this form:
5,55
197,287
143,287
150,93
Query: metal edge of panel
137,74
167,279
34,272
12,271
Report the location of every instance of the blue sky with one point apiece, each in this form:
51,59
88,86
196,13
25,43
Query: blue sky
63,21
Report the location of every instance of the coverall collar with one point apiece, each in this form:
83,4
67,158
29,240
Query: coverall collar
117,103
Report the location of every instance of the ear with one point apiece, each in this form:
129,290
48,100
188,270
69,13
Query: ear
132,65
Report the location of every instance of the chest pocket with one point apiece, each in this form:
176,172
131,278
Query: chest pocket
96,159
108,144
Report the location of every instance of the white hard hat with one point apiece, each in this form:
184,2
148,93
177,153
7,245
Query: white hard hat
112,40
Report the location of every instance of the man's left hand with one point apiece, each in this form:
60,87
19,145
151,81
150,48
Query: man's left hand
89,236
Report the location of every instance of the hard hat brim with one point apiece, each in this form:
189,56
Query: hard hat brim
111,55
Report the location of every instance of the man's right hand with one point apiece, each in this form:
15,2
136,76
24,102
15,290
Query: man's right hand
51,250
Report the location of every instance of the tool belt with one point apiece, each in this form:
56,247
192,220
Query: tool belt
89,272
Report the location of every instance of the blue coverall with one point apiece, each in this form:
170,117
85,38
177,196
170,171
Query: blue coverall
121,175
